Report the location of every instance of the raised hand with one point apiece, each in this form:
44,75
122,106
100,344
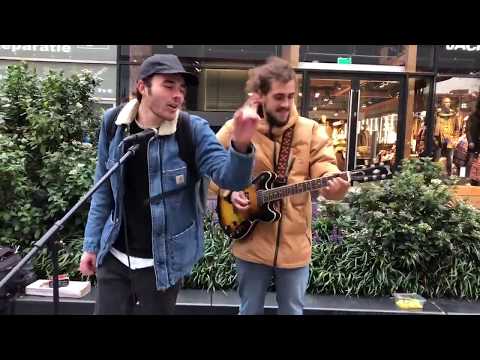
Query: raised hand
245,122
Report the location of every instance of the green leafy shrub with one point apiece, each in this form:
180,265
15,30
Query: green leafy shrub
44,166
405,234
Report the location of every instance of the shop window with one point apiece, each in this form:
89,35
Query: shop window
377,121
419,90
299,94
222,89
328,105
106,92
455,100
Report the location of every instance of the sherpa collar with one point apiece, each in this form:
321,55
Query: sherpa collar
129,114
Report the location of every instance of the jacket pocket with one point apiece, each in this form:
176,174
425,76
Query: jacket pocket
174,181
184,248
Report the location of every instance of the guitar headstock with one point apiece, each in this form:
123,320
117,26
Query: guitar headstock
372,173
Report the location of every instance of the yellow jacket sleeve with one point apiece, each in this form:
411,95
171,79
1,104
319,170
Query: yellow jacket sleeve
322,155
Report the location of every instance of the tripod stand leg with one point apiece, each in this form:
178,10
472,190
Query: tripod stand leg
53,246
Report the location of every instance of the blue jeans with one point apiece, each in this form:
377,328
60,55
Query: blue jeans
254,280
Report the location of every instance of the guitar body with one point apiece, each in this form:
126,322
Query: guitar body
238,224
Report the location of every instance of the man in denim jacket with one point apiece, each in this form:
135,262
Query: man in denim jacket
141,249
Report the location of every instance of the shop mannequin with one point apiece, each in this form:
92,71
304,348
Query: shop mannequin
473,138
420,140
460,154
364,137
447,132
340,143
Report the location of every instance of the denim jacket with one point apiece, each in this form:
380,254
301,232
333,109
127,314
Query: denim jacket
177,225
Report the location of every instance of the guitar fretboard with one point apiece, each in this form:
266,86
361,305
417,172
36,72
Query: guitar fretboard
266,196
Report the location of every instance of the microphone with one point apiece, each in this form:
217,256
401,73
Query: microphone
139,137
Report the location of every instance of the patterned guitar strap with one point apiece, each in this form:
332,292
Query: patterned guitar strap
283,156
282,176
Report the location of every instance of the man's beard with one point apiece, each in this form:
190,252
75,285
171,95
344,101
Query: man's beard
272,120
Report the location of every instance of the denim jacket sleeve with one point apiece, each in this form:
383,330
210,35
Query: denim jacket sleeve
227,168
102,200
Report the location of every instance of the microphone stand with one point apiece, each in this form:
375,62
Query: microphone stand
52,245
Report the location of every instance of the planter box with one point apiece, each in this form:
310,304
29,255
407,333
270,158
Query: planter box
468,193
201,302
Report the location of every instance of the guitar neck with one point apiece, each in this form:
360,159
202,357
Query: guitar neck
293,189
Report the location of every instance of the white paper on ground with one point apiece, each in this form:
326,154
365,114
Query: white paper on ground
75,289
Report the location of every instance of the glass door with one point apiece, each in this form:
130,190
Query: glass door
329,104
360,114
377,122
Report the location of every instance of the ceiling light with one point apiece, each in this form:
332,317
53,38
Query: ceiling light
317,95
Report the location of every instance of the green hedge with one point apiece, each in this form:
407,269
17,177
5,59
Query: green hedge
44,165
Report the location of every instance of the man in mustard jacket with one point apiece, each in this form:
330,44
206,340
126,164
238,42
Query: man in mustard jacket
281,249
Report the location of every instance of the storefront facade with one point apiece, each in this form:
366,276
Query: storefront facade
375,101
329,94
379,103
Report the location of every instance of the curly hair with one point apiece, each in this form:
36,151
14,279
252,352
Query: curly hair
260,78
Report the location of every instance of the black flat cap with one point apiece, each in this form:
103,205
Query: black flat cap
165,64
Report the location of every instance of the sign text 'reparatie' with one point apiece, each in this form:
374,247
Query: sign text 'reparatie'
66,49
